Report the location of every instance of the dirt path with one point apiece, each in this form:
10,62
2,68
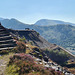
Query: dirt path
3,62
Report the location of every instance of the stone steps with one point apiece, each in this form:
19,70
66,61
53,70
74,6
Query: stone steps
3,32
6,40
1,27
6,48
7,45
4,35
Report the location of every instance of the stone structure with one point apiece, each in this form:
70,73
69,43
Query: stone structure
6,41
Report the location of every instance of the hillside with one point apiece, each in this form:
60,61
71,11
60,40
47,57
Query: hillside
35,39
32,61
33,55
31,36
62,35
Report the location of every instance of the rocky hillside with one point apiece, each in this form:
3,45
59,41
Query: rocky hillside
35,39
32,36
34,57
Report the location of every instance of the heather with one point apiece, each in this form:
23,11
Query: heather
24,64
20,48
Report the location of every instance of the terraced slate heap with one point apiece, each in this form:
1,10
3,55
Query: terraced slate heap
6,41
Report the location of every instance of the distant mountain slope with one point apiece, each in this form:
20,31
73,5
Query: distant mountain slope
63,35
46,22
13,23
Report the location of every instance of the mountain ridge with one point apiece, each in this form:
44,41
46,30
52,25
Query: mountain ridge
41,22
47,22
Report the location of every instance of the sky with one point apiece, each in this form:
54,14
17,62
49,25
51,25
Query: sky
30,11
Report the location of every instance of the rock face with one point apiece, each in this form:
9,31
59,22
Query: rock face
32,36
6,41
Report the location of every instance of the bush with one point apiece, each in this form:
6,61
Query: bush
20,48
60,57
22,39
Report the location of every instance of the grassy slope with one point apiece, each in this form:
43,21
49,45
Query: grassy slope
3,62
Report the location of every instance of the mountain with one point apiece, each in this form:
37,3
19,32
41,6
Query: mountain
46,22
13,24
63,35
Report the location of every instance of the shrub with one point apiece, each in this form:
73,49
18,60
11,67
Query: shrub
20,48
22,39
60,57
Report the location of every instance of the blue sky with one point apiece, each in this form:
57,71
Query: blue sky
29,11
